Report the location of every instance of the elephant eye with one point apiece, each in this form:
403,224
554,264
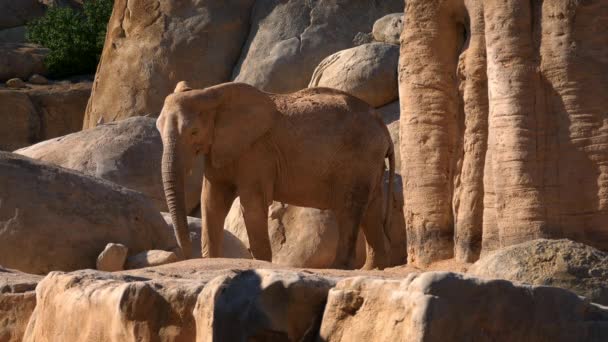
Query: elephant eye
194,132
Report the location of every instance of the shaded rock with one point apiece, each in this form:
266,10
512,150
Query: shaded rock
367,71
362,38
388,28
112,258
288,39
245,306
150,258
21,60
440,306
13,35
559,263
17,302
20,122
38,79
389,113
58,219
17,13
15,83
150,47
233,247
128,153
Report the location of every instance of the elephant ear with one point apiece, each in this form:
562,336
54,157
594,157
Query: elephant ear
243,115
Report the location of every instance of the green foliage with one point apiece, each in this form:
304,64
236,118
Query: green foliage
74,37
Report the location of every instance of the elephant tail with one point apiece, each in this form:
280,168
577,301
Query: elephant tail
390,154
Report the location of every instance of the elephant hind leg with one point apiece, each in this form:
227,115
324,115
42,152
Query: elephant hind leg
349,215
373,227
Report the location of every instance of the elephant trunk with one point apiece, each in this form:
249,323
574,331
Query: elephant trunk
173,183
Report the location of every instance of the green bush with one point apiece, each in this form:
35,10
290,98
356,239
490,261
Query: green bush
74,37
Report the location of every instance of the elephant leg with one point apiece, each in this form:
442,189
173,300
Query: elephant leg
216,200
373,227
349,219
255,213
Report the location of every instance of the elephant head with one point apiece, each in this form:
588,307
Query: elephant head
221,122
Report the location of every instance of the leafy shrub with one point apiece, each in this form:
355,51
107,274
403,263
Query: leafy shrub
74,37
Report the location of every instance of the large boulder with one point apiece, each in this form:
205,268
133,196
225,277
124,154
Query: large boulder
17,302
441,306
288,39
368,71
13,35
20,122
57,219
388,28
150,46
128,153
19,12
559,263
21,60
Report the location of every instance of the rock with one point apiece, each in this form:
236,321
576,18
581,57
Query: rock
150,47
388,28
245,306
367,71
20,122
389,113
21,60
15,83
128,153
17,301
441,306
17,13
38,79
233,247
559,263
112,258
58,219
13,35
150,258
288,39
363,38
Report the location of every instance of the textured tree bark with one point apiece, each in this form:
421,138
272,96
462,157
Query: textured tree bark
430,44
511,135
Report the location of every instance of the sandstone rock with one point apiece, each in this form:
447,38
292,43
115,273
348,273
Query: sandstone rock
21,60
13,35
233,247
112,258
559,263
390,113
388,28
128,153
17,301
38,79
367,71
15,83
17,13
288,39
440,306
58,219
150,258
152,46
261,305
20,122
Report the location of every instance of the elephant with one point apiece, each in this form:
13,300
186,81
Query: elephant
317,147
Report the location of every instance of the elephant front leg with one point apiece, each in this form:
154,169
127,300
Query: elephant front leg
255,213
216,200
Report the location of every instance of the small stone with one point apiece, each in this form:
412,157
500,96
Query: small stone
38,79
15,83
151,258
112,258
388,28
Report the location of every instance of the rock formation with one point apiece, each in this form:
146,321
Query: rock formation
502,124
17,302
128,153
21,60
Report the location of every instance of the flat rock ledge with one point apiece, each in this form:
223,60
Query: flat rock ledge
248,300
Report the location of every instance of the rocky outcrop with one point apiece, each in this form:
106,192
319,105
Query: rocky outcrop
368,71
17,302
150,46
514,147
21,60
57,219
441,306
128,153
559,263
13,35
388,28
40,112
287,40
18,13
